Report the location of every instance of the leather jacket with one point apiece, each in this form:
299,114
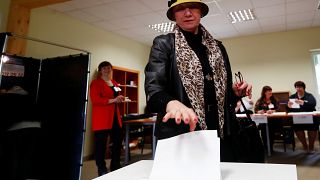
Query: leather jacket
163,84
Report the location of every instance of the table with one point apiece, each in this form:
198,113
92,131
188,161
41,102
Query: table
229,171
278,115
140,122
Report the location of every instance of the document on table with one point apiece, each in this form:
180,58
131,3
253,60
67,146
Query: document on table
194,155
294,105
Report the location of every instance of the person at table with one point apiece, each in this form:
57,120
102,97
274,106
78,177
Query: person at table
188,79
248,103
104,94
268,104
307,103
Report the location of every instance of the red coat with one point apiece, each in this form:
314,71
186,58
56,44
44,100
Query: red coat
102,112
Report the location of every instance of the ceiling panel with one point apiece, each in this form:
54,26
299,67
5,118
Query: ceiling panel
270,11
130,18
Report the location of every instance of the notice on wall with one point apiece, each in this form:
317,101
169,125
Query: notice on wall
12,67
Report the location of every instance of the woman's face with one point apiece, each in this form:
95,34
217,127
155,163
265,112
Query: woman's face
268,94
299,89
188,16
106,71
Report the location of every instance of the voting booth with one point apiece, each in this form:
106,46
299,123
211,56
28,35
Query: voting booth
57,87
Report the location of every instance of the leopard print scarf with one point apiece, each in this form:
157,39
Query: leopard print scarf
190,71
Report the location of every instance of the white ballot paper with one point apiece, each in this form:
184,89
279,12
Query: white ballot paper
190,156
294,105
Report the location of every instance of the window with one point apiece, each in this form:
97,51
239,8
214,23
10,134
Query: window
316,62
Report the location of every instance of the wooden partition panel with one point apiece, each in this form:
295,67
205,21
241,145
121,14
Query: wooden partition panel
283,98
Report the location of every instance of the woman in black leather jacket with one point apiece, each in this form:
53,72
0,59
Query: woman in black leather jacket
189,80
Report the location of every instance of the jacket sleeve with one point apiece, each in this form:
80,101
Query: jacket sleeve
257,106
96,95
309,103
156,75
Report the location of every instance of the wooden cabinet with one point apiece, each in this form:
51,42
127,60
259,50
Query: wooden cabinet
129,81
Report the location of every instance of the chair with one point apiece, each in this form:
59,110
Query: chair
285,135
139,132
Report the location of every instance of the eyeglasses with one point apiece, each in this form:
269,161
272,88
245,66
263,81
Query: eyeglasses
238,77
239,80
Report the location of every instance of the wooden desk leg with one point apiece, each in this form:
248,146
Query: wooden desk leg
126,159
268,139
153,140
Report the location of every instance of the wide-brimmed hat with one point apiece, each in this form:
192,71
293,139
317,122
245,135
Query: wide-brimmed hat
173,3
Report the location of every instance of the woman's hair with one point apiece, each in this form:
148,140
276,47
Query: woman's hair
300,84
104,64
263,92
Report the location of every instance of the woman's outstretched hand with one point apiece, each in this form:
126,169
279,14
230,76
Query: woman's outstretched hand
178,111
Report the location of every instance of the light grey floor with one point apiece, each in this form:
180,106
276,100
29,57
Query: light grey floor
308,165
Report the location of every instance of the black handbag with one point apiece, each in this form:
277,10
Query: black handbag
250,148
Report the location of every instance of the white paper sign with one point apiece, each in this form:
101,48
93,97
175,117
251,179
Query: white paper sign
302,119
259,118
190,156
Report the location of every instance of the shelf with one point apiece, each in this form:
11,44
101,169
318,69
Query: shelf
127,77
129,86
129,101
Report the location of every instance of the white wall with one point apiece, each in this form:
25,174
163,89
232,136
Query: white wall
49,25
276,59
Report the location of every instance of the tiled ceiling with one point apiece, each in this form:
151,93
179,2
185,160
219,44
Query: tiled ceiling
130,18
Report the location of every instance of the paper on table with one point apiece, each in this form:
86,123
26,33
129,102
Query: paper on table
194,155
241,115
294,105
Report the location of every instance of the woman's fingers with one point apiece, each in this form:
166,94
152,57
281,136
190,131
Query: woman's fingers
193,121
178,116
187,115
242,89
168,116
248,90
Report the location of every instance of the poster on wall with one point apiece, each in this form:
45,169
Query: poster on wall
12,74
19,75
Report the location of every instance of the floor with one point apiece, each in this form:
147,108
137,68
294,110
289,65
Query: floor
308,165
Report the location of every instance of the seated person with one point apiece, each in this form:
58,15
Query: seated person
307,103
267,104
248,102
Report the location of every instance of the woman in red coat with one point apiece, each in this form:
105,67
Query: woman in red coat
104,94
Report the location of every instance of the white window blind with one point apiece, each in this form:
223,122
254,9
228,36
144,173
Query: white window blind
316,62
